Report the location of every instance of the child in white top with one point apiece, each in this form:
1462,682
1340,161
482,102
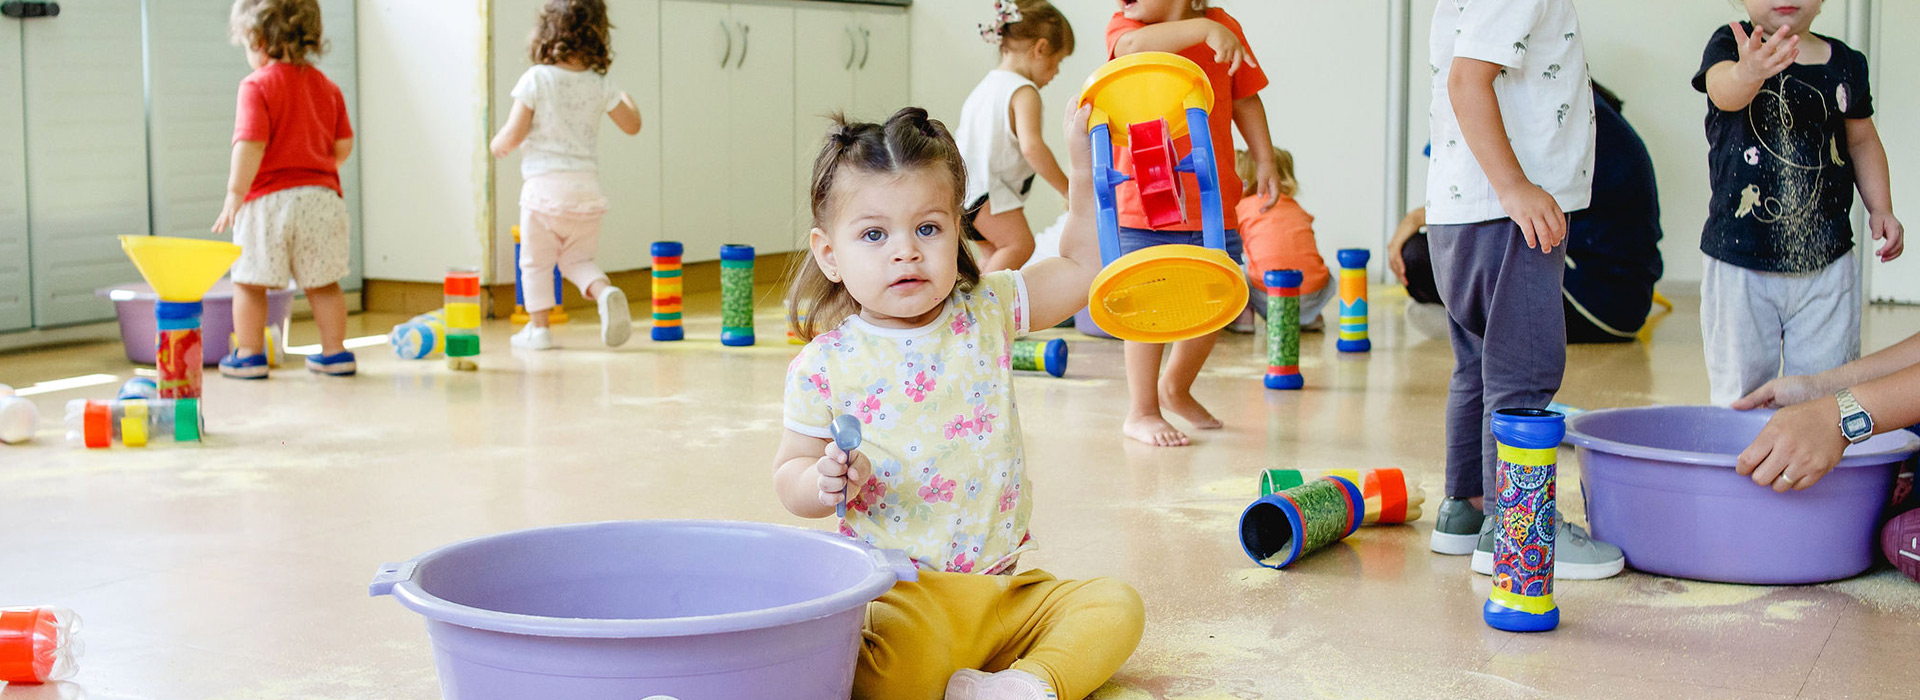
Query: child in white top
999,130
909,337
556,113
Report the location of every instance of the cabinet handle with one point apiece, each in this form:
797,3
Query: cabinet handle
728,56
29,10
746,42
853,48
866,47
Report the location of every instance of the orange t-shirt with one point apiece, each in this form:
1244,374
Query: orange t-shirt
1281,239
1226,88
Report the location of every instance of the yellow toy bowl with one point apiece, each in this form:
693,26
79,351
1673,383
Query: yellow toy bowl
1142,87
180,269
1167,293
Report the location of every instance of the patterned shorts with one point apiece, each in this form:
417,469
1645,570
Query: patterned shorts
299,235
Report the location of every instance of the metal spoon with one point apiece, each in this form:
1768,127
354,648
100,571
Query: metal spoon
846,434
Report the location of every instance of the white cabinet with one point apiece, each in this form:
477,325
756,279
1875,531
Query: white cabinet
630,166
726,116
16,279
846,61
86,153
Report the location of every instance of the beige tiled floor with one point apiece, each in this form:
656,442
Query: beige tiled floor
238,568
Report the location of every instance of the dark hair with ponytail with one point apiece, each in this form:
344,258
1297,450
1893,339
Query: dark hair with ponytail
909,140
573,31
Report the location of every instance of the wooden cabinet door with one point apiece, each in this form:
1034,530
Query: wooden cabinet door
760,133
695,126
826,46
881,74
86,126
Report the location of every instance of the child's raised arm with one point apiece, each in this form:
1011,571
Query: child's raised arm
1173,37
1876,186
1033,145
1470,88
1732,85
1057,287
514,131
626,115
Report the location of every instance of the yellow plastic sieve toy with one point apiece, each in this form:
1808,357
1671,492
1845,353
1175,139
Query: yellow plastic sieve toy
1164,293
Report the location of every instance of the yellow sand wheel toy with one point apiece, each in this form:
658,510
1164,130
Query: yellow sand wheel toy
1169,292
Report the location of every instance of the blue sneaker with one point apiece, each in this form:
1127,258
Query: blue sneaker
248,367
339,364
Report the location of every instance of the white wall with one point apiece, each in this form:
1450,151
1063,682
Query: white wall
421,136
1896,70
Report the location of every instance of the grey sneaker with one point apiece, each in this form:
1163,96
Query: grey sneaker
1456,528
1577,556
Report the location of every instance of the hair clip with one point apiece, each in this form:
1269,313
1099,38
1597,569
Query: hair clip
1005,12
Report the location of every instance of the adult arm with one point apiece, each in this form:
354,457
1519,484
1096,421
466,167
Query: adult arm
1802,443
1787,391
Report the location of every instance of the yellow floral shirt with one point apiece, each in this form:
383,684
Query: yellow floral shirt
936,403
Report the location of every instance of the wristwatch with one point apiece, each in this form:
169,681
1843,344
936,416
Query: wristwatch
1855,423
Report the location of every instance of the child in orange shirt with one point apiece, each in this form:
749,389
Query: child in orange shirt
1212,39
1280,238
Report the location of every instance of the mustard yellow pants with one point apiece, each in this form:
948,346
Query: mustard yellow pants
1072,634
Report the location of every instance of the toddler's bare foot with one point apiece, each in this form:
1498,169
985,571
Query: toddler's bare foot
1153,430
1183,405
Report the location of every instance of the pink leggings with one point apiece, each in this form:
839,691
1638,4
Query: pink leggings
567,235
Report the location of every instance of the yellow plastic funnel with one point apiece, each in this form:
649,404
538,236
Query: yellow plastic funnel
180,269
1145,86
1168,293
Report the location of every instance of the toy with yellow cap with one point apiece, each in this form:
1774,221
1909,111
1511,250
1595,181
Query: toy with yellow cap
1167,293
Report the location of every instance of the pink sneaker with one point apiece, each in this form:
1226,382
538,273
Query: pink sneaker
1900,541
968,684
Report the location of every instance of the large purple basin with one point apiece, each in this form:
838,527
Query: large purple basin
1660,483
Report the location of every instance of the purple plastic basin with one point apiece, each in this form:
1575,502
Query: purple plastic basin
133,304
664,610
1660,483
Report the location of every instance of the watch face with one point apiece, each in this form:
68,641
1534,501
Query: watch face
1855,425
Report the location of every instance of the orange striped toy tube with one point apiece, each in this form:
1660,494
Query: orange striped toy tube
666,291
1353,301
1392,497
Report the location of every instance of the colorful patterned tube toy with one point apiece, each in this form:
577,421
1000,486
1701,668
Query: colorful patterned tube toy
462,318
38,645
666,291
133,422
1353,301
1525,520
1280,528
178,355
1283,329
736,295
1048,356
1392,496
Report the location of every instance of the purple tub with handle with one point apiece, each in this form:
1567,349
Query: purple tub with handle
1659,482
662,610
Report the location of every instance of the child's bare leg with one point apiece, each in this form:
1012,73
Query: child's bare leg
1009,239
1144,422
330,315
249,318
1176,386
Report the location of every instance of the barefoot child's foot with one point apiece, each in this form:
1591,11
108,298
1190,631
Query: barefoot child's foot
1154,430
1183,405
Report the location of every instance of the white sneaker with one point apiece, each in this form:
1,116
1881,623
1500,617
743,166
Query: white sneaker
533,338
616,320
968,684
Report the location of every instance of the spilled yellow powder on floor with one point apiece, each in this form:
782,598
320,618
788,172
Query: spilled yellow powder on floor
1887,591
1670,593
1788,609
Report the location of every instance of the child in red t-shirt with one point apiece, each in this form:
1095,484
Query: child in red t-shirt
283,193
1212,39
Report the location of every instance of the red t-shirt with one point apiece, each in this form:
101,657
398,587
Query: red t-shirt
1226,88
299,113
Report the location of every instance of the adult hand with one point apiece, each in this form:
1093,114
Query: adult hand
1761,56
1780,393
1798,447
1888,229
1541,221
